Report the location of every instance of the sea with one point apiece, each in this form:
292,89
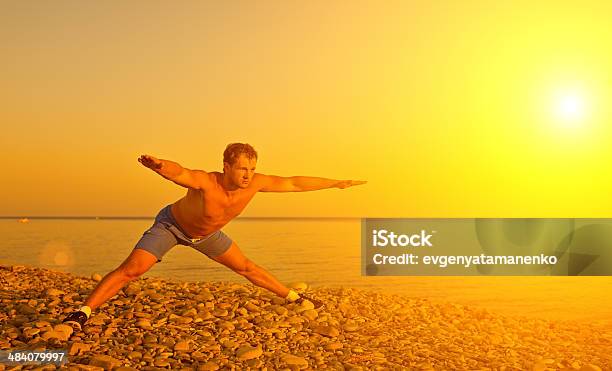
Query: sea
322,252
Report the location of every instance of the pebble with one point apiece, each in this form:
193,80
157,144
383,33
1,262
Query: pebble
155,324
304,306
280,310
590,367
310,314
77,348
40,324
55,334
294,360
54,292
31,332
104,361
350,326
333,346
252,307
248,352
64,328
25,309
144,324
329,331
162,362
181,346
209,366
134,355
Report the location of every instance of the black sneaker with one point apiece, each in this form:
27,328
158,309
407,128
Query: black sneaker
317,303
76,319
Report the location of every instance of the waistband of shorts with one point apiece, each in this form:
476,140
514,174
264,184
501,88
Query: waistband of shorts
168,211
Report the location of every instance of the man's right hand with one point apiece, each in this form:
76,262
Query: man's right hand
150,162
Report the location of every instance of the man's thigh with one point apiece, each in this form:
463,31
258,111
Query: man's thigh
234,259
157,240
214,245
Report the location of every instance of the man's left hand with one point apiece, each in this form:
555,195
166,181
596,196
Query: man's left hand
349,183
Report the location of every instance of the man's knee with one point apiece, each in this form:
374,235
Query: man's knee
130,273
247,268
137,264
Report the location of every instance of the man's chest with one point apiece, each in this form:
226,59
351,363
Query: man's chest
216,204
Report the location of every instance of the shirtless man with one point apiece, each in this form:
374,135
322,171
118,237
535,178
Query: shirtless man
212,200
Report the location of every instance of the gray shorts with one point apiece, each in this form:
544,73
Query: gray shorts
165,233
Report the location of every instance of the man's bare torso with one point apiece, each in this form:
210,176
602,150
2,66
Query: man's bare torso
202,212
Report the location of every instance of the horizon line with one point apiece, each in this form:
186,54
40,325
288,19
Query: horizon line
153,217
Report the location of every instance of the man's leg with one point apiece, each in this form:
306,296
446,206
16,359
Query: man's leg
236,261
135,265
154,243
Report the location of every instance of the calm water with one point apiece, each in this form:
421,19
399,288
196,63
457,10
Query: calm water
293,250
321,252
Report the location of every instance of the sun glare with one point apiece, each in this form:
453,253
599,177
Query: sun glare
569,108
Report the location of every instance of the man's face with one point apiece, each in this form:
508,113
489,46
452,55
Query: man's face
242,171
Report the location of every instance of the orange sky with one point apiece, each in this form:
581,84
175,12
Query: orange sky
446,109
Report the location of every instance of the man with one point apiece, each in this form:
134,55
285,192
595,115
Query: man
212,200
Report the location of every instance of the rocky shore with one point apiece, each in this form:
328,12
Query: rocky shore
164,324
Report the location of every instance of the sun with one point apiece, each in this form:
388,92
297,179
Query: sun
569,107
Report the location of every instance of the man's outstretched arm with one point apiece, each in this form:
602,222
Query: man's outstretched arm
272,183
195,179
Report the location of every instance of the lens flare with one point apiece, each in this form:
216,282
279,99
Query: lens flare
569,108
56,253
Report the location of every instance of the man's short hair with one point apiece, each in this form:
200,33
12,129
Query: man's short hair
234,150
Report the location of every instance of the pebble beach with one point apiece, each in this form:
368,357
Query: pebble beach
160,324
